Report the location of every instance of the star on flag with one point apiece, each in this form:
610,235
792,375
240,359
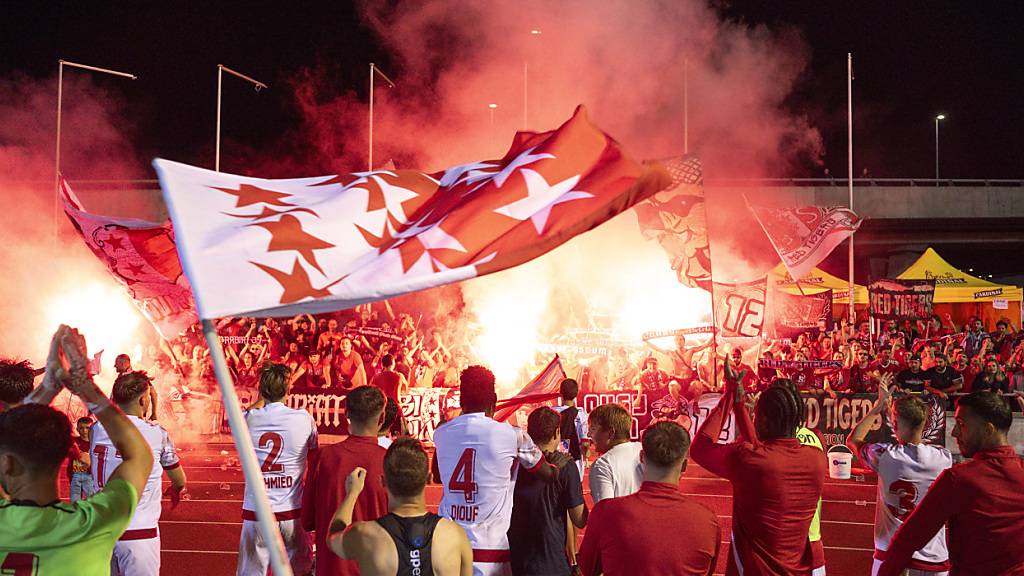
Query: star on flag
541,198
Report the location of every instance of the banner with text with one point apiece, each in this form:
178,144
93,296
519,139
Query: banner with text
901,299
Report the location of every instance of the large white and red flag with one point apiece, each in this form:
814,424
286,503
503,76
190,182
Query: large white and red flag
805,235
544,388
141,256
280,247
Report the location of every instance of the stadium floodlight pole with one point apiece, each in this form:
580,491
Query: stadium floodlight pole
686,106
374,70
937,118
60,99
849,167
220,76
492,108
526,75
266,521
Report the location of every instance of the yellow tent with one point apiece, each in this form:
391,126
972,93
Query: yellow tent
952,285
815,282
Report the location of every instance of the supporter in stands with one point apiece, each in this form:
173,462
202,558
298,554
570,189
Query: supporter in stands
389,382
409,539
1002,342
906,470
617,471
862,379
348,366
777,481
993,379
37,531
885,364
912,379
627,535
79,462
943,380
318,370
981,501
538,533
393,424
138,551
326,487
15,382
283,438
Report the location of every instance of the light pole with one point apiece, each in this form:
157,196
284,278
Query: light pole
526,74
937,118
60,99
492,108
220,76
374,70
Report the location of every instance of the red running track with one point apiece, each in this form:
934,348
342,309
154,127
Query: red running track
201,535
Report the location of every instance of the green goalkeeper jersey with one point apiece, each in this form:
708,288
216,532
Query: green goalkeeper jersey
65,539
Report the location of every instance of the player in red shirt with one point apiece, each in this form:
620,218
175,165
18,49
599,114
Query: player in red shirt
325,488
777,481
981,501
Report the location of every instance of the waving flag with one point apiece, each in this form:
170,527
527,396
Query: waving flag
544,388
281,247
806,235
142,257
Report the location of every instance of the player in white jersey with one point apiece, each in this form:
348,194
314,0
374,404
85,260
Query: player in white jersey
906,470
137,553
477,459
284,438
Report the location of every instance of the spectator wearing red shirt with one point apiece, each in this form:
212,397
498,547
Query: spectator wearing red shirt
777,481
626,535
348,366
393,384
980,501
885,364
325,488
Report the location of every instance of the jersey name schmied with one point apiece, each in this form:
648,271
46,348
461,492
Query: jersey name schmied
478,459
283,438
106,459
905,473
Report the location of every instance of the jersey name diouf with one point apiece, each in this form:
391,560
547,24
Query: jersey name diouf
478,459
105,459
283,438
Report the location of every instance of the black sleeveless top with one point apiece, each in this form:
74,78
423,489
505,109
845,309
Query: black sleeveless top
412,537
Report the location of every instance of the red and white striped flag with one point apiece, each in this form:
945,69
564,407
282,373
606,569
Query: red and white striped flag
545,387
253,246
805,235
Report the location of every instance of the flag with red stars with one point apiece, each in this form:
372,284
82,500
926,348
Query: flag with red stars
305,245
142,257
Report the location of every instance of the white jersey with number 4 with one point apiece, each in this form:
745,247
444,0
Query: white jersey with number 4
106,458
478,459
905,473
283,438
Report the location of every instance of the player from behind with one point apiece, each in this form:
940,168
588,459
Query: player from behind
39,534
409,539
137,552
906,470
284,438
477,460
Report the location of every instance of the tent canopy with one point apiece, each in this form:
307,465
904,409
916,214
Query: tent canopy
815,282
953,285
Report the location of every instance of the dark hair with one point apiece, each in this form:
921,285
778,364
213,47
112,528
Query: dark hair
129,387
84,420
123,357
15,380
390,413
476,388
665,444
779,410
569,389
387,361
364,404
38,435
274,381
911,410
1002,323
406,467
990,407
542,424
612,417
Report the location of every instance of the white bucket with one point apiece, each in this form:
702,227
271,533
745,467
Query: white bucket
839,463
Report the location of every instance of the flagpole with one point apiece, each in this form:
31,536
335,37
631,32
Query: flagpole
849,167
373,70
266,521
686,106
60,100
220,70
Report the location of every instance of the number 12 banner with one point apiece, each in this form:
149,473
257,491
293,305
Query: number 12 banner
740,308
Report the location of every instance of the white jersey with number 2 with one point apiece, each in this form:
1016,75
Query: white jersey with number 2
478,459
905,473
283,438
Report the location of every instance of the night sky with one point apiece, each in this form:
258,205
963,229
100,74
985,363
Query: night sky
912,60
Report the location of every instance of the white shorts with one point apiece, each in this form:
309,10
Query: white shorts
136,558
254,556
492,569
910,572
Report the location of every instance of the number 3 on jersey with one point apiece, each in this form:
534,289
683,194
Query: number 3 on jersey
907,493
462,476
